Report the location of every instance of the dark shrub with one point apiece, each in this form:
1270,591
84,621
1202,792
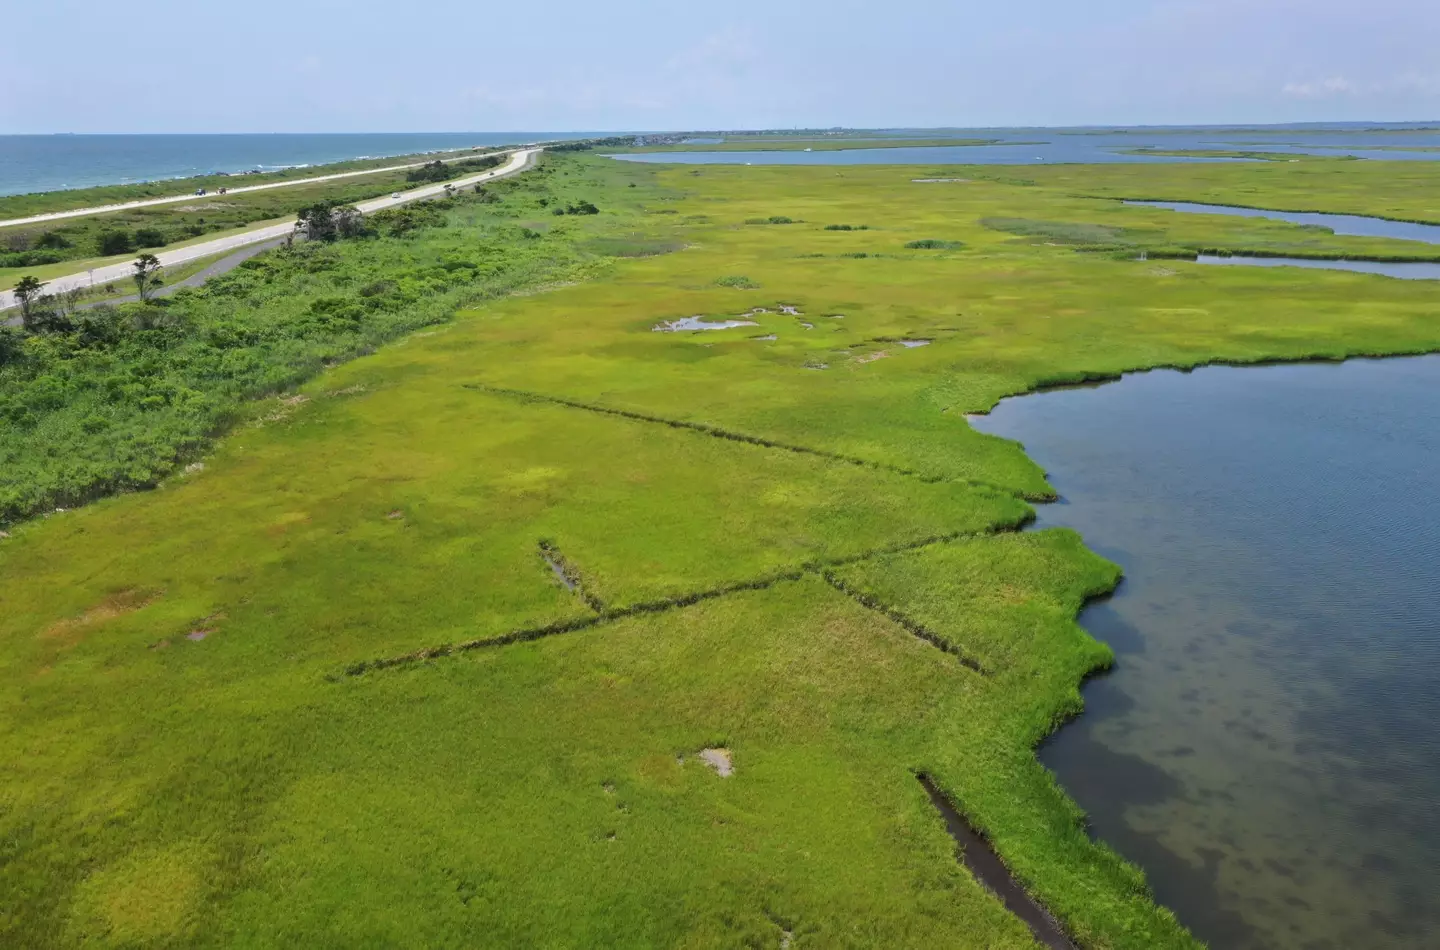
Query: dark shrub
10,351
378,288
150,237
114,242
53,241
30,259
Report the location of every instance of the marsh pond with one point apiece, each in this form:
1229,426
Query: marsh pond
1266,745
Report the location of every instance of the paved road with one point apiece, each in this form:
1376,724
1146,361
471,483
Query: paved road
116,273
243,189
223,266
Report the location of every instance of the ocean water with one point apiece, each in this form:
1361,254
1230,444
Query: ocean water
1265,747
32,163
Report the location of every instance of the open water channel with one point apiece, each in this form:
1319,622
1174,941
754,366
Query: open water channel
1267,745
1034,146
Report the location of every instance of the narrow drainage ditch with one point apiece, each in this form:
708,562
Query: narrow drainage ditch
981,860
559,572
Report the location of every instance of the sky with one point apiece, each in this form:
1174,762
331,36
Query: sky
567,65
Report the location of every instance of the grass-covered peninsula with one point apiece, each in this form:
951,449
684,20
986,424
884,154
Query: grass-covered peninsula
424,585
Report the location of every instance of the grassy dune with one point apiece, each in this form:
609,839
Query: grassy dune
328,692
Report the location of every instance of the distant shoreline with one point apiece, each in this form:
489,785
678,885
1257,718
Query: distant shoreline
34,165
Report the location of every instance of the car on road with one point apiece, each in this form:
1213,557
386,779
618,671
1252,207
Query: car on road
394,194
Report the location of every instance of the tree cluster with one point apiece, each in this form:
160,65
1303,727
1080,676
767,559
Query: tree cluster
330,221
579,207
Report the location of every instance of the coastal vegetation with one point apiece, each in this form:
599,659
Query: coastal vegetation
76,243
26,205
438,170
455,580
773,143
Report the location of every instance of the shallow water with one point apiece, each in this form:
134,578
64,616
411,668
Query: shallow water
1348,224
1403,270
1054,153
700,323
1093,146
1266,747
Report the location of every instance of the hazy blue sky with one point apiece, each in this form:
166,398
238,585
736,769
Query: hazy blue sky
552,65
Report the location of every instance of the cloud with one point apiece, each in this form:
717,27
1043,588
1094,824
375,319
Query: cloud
1330,88
1335,87
728,49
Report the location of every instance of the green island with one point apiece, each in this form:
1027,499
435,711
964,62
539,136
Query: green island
787,143
429,586
1254,155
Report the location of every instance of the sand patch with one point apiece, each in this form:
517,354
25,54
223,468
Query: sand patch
284,410
872,357
71,631
719,760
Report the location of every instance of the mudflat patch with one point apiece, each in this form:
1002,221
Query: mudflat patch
719,760
72,630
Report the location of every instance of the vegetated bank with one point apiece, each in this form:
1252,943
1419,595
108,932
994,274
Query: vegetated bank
108,399
785,542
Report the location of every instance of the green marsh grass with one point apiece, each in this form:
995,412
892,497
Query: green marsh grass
790,562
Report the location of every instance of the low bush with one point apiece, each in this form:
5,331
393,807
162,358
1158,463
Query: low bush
579,207
438,171
395,222
934,244
109,243
847,227
738,282
30,259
